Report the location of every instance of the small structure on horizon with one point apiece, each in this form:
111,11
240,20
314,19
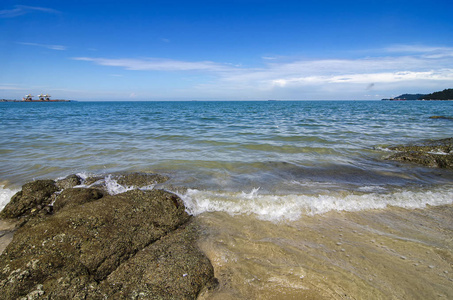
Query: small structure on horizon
28,97
45,97
41,98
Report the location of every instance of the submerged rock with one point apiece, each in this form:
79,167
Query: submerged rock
437,153
137,244
441,117
139,179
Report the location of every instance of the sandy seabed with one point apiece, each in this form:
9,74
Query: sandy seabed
393,253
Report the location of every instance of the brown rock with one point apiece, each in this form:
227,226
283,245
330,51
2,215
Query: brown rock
76,196
69,182
87,247
136,180
33,197
171,268
426,153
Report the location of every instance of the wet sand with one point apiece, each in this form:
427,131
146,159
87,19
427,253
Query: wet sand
380,254
391,253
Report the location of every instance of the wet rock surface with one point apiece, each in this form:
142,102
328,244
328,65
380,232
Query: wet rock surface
441,117
140,244
68,182
163,268
33,197
137,180
437,153
76,196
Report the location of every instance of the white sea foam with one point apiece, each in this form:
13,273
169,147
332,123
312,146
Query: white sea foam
5,196
371,188
113,187
384,149
84,175
439,152
292,207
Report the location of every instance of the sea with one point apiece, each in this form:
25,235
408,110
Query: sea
295,199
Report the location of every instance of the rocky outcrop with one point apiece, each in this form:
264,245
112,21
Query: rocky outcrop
136,180
437,153
170,268
68,182
76,196
33,197
441,117
140,244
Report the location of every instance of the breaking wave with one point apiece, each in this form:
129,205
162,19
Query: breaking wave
5,195
292,207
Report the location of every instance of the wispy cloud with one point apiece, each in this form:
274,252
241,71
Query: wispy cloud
20,10
156,64
398,67
422,67
10,87
415,48
425,51
368,78
52,47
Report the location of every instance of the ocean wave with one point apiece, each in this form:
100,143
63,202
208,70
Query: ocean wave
284,207
109,183
292,207
5,195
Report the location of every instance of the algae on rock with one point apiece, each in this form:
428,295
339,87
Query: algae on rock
437,153
97,246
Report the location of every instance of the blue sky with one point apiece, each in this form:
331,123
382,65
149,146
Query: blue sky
225,50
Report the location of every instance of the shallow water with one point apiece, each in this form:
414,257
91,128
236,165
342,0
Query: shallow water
295,199
225,145
380,254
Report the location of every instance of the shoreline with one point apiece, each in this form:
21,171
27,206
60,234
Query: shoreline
380,254
324,256
327,255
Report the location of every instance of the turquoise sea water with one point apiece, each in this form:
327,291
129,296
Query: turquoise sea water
294,200
303,156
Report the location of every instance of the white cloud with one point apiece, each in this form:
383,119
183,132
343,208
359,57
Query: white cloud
10,88
155,64
397,68
424,51
51,47
415,48
20,10
370,78
345,71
